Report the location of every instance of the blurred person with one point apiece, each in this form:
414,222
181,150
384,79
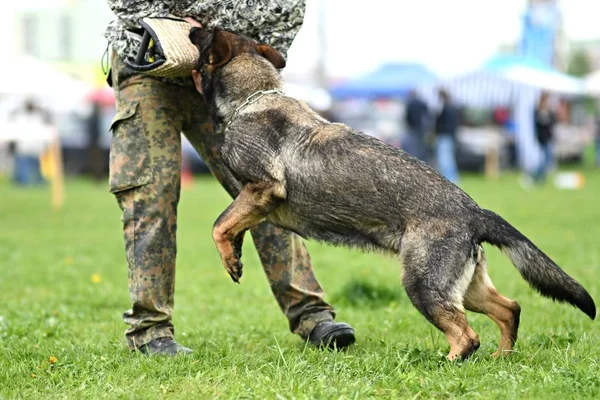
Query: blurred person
501,115
94,134
563,112
505,120
416,120
510,128
145,174
446,127
31,125
545,120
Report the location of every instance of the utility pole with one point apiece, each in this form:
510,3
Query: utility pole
543,37
321,67
561,42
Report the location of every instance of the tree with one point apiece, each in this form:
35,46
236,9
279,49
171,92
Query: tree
579,63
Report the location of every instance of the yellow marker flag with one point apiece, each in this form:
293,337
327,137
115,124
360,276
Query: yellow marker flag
47,164
51,168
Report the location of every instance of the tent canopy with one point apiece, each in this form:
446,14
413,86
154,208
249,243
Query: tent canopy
389,80
503,79
31,78
26,75
534,73
481,89
592,84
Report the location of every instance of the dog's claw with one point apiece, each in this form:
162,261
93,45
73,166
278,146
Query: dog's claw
234,269
238,271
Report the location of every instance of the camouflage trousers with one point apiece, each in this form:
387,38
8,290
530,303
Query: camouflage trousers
145,176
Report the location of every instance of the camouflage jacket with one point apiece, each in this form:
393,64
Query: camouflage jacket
274,22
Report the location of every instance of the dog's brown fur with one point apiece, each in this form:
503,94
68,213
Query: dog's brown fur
331,183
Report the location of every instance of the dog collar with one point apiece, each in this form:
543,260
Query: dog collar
253,98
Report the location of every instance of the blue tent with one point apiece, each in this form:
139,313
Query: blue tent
389,80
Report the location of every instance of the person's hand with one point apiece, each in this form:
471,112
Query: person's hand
192,22
197,80
195,73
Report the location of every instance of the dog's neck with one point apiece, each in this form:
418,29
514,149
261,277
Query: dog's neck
236,84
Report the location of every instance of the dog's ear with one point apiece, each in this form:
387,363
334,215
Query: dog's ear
220,49
272,55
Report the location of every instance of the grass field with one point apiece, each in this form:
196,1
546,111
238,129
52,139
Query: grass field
63,288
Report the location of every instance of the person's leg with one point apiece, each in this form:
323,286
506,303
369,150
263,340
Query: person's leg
445,158
545,163
282,253
452,157
145,165
287,264
441,158
420,145
21,170
415,144
538,172
36,172
408,144
549,153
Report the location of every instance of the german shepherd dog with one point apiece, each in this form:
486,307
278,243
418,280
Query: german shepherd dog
328,182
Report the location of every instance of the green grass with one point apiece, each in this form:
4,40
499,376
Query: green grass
50,306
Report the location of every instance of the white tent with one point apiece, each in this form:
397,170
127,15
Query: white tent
482,89
592,84
503,86
317,98
515,82
548,80
29,77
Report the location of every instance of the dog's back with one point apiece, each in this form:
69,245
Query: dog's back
346,187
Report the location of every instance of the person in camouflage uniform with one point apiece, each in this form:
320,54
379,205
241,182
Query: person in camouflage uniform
145,169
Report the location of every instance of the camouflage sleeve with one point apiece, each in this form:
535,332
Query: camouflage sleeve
273,22
129,12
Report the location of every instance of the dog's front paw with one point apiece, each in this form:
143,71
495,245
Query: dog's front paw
234,266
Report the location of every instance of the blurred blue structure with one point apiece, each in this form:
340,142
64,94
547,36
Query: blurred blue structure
392,80
540,26
502,62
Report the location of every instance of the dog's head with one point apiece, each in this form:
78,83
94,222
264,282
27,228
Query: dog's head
236,61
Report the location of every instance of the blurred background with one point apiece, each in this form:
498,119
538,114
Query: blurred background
354,63
377,65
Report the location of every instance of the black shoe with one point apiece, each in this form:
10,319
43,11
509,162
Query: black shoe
332,335
164,345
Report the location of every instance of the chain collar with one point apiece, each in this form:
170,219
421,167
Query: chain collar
253,98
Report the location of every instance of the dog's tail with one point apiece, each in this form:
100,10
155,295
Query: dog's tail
535,267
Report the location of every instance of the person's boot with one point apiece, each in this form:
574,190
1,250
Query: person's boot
333,335
164,345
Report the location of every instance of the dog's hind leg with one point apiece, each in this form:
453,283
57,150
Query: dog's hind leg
482,297
436,277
